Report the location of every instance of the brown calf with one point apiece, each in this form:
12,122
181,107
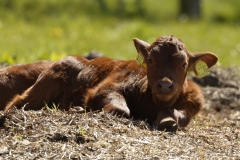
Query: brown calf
17,78
159,93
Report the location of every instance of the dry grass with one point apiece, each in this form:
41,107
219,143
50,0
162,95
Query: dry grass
60,135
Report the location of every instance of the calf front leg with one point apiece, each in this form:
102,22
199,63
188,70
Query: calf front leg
167,120
181,115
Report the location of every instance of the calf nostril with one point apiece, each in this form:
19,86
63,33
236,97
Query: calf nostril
165,86
159,85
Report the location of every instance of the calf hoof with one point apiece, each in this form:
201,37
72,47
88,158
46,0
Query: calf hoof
168,124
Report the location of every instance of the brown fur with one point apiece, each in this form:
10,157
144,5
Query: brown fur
159,93
17,78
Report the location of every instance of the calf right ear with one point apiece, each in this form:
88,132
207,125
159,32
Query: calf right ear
209,58
141,47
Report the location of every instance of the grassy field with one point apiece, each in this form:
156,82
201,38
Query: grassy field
51,29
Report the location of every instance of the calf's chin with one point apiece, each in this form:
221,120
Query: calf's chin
163,97
164,100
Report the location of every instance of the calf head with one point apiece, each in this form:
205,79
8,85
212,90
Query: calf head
168,61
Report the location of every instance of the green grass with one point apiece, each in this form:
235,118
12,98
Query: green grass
53,29
53,108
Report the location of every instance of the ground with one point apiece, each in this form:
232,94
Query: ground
52,134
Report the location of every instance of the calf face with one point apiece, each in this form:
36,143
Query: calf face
168,62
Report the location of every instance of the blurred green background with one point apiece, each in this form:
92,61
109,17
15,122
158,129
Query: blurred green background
32,30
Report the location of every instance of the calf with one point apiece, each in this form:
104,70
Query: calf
158,92
16,79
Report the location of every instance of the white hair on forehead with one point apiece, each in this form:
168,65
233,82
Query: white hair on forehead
156,48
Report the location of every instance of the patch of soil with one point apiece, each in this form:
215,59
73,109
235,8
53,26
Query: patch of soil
221,90
49,134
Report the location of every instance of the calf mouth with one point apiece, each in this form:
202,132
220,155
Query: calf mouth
163,96
163,93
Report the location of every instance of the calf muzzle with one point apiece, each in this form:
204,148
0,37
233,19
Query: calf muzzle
165,86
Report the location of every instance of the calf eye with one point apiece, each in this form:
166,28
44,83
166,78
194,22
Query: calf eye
149,61
184,65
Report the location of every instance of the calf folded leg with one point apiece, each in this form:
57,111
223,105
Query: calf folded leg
45,91
108,101
166,119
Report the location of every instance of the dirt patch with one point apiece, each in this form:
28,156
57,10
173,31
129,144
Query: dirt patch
221,90
49,134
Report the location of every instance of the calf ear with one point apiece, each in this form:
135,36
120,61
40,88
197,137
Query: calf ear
209,58
141,47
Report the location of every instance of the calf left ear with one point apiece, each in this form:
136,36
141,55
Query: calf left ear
209,58
141,47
